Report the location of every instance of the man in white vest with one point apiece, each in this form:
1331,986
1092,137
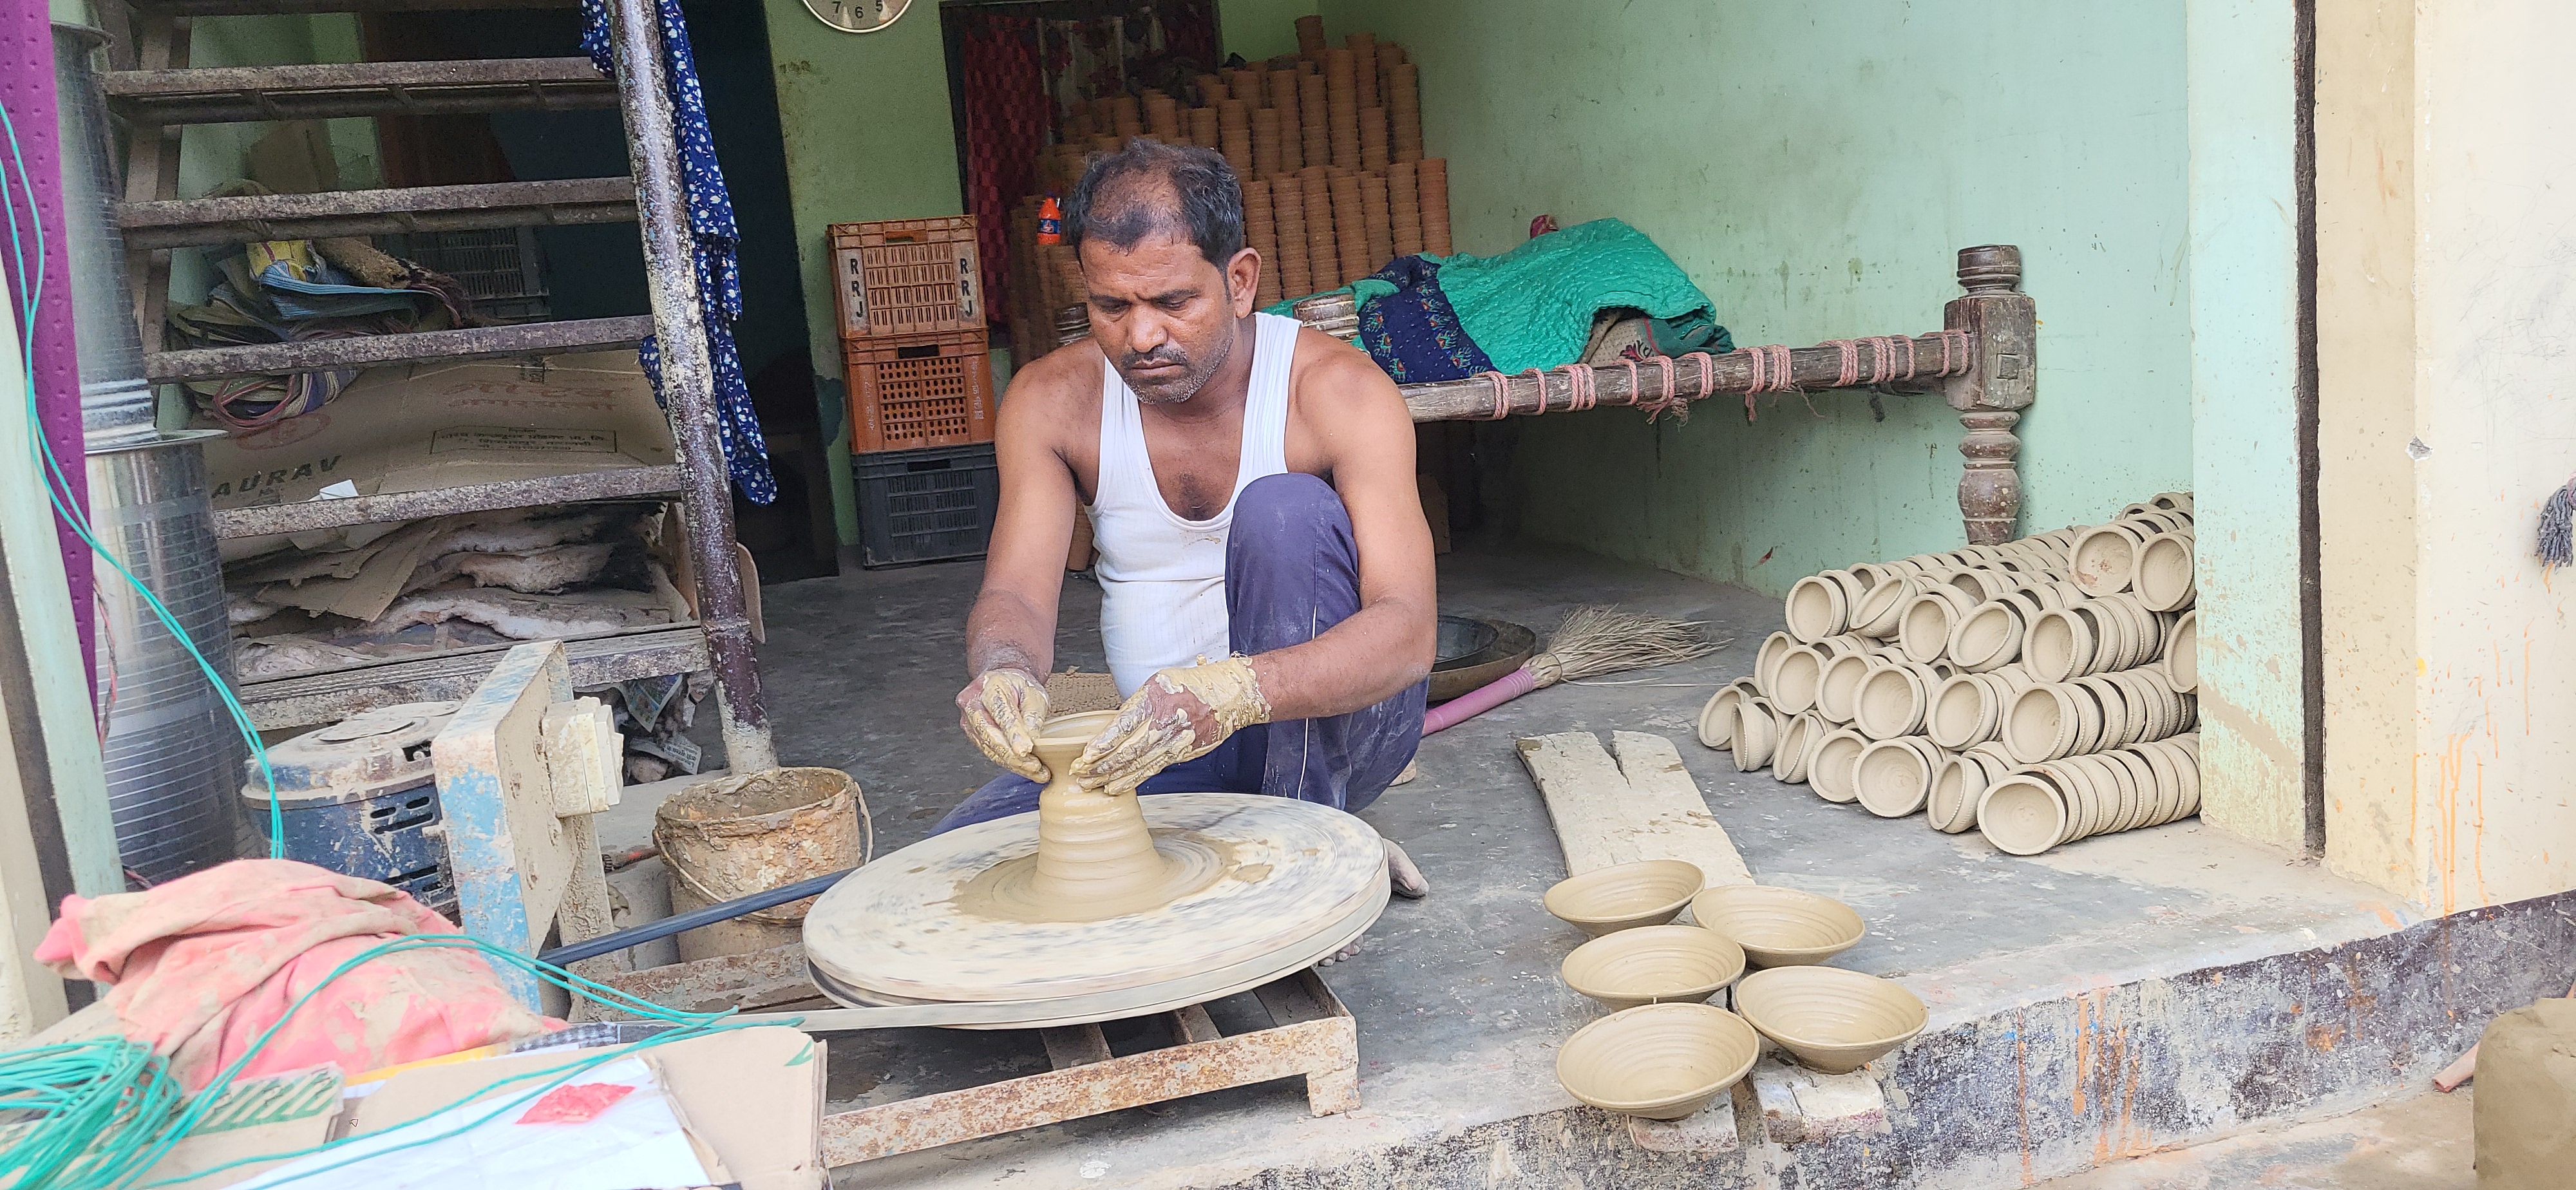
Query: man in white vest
1265,570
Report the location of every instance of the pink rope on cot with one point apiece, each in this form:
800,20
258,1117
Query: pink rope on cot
1580,392
1538,377
1960,338
1502,396
1850,349
1882,358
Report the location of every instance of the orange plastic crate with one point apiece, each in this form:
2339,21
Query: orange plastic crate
914,391
906,277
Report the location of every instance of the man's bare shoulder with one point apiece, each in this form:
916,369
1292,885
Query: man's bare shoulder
1333,378
1055,392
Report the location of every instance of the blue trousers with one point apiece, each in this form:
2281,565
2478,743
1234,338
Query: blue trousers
1291,571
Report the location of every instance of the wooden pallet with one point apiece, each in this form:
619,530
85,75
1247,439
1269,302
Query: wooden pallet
1311,1034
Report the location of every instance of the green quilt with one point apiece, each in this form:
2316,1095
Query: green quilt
1532,307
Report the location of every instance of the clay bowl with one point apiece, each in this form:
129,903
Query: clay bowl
1653,964
1834,1020
1778,927
1660,1061
1607,900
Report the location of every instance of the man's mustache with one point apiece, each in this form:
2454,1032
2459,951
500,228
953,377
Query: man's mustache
1156,359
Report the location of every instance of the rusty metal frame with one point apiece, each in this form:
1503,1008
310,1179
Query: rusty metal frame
1311,1034
750,981
688,384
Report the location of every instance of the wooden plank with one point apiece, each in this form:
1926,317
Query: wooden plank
1075,1045
333,90
1089,1090
309,515
513,858
307,699
481,342
757,979
1645,806
1192,1023
184,222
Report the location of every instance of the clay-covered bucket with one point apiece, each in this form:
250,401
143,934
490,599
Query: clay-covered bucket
735,836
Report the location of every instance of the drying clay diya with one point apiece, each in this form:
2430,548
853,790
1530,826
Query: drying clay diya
1778,927
1085,908
1607,900
1834,1020
1653,964
1661,1061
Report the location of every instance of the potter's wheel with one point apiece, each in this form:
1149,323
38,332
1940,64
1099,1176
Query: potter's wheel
898,941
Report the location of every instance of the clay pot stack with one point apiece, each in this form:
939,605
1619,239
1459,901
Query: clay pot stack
1282,85
1433,182
1350,227
2056,666
1342,107
1404,208
1331,134
1404,113
1262,233
1288,222
1162,117
1323,251
1234,135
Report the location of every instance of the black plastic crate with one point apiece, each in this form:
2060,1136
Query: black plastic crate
926,505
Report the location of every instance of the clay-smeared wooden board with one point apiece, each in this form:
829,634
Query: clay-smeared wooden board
895,928
1645,806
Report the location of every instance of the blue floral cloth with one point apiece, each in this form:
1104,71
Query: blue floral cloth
1413,333
711,228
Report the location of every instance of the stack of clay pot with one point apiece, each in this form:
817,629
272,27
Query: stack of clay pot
2053,665
1262,234
1433,181
1403,112
1334,132
1342,107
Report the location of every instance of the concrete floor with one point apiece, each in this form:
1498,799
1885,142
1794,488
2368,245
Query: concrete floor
2419,1143
1457,997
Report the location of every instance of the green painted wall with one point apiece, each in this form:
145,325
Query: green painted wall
1260,29
868,135
1814,167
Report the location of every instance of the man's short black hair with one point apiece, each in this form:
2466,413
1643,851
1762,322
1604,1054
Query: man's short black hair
1150,187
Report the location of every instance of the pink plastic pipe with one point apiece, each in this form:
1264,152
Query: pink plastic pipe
1479,700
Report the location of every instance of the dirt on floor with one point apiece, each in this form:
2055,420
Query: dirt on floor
2421,1143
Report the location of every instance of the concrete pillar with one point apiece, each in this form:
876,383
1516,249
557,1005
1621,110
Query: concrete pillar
2446,417
2244,362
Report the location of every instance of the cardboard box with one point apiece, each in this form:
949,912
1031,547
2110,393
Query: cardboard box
755,1096
419,427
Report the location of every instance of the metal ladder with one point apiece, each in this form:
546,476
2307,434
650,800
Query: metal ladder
152,88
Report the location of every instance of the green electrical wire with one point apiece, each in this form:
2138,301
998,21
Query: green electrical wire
31,285
105,1111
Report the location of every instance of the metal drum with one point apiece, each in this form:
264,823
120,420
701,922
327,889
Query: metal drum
360,798
171,751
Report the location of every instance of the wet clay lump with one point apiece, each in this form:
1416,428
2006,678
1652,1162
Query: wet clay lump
1095,857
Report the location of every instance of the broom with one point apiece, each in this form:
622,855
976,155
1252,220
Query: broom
1592,641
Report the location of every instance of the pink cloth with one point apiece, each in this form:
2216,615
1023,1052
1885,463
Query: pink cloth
206,963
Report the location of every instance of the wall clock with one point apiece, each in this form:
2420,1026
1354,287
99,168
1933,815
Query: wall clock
857,16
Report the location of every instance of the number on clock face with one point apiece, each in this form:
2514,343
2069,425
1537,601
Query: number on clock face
857,16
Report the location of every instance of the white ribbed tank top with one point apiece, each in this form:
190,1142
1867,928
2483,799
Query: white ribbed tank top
1162,578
